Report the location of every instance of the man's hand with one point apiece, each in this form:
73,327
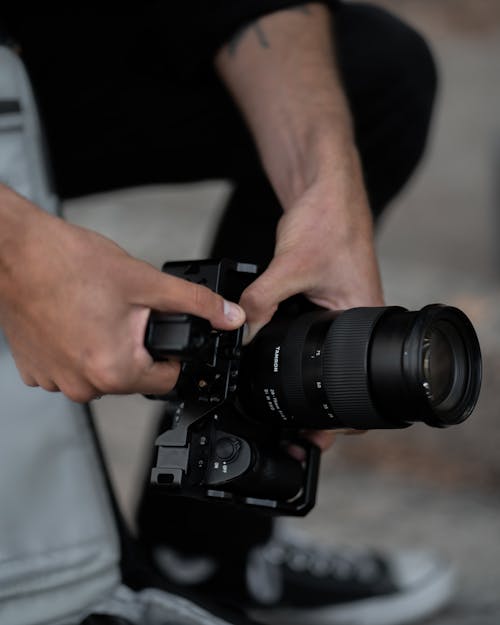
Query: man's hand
74,306
324,249
282,73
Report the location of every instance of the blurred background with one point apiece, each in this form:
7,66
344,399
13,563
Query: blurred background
438,243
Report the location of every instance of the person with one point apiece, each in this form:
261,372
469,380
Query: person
318,113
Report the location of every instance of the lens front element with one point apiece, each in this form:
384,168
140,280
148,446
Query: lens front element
439,366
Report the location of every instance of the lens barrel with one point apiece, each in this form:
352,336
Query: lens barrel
365,368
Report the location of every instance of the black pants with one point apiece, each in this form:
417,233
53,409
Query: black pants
132,127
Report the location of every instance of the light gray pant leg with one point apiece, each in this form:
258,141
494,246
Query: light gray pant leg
58,546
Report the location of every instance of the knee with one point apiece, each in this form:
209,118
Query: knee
380,53
417,63
391,80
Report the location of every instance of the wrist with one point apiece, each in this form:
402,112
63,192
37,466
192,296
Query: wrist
323,157
306,142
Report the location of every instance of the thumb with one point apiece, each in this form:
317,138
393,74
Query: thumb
260,300
160,291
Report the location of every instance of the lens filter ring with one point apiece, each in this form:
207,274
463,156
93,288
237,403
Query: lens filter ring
442,362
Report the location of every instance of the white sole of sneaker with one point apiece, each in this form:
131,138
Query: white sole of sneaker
416,604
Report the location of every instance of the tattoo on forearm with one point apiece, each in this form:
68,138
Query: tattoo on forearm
302,8
258,31
261,36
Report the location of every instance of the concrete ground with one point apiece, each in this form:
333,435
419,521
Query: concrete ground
439,242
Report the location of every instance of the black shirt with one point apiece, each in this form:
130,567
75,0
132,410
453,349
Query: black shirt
184,34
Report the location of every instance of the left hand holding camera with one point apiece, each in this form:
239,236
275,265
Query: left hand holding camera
324,244
324,249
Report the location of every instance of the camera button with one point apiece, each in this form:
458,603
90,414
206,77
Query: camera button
227,449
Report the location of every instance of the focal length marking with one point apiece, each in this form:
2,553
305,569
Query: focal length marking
271,397
313,365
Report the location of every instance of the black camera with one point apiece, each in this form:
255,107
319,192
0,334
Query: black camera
235,410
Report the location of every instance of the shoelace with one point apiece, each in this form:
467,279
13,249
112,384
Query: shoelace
344,564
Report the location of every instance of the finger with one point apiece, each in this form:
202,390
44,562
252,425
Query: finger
297,452
35,379
78,390
260,300
351,432
28,379
324,439
159,379
23,370
49,385
160,291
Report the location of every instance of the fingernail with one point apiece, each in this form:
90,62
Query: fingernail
246,334
350,432
250,331
233,312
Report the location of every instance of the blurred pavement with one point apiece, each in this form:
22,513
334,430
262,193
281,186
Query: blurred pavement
439,242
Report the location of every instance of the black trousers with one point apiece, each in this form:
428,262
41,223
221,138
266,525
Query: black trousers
134,127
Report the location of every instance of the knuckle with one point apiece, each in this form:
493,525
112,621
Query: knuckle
110,381
168,378
172,372
259,292
139,359
199,297
206,302
104,374
79,394
250,298
49,386
257,308
28,380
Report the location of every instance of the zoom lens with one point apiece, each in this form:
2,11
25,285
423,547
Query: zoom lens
365,368
439,364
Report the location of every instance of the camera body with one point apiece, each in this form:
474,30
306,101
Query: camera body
235,411
214,450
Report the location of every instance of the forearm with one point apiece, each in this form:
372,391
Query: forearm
10,221
282,73
16,217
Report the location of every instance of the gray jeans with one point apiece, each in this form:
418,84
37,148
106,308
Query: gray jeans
59,550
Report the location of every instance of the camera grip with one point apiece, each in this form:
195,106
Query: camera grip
175,335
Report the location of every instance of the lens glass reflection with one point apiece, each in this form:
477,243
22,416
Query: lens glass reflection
439,365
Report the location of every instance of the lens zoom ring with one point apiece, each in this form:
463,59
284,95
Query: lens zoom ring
345,366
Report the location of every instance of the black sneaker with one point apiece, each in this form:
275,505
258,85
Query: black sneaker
290,581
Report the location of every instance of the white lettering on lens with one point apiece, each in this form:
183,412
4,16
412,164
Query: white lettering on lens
276,363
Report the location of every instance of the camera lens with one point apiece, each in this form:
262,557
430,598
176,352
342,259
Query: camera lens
439,374
365,368
439,365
